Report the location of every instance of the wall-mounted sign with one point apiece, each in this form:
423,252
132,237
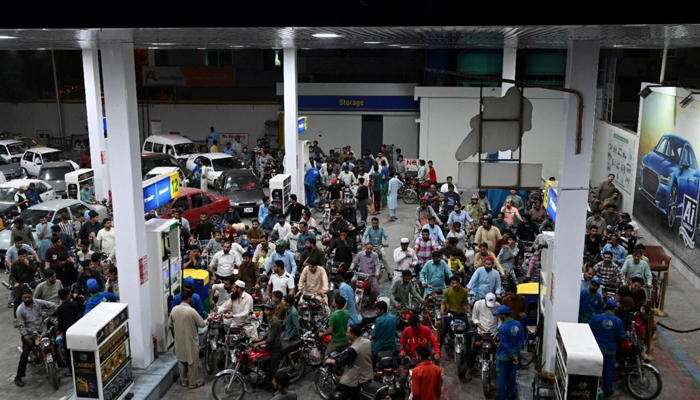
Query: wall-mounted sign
552,204
303,124
189,76
160,190
359,103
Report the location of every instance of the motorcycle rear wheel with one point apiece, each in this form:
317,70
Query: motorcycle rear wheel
486,382
61,357
326,222
410,196
235,392
209,361
324,383
645,387
298,366
461,365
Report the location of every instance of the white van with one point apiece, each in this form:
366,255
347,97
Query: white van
177,146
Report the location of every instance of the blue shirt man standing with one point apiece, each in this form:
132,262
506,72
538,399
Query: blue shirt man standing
346,292
196,302
211,137
434,273
512,337
608,330
590,302
33,195
384,332
97,297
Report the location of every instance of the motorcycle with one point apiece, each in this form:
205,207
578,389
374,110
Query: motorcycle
487,361
44,351
642,380
434,311
311,308
362,284
251,367
456,340
314,346
214,350
413,189
327,378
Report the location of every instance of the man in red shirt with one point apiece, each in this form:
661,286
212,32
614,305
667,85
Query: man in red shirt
426,377
417,335
431,173
229,232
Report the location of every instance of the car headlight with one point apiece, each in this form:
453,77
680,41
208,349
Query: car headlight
235,204
664,179
259,203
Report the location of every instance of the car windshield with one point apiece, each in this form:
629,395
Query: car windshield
165,162
4,162
54,174
673,151
32,217
16,148
7,194
185,148
163,207
237,183
54,156
223,164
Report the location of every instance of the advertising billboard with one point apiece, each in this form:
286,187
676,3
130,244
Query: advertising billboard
666,190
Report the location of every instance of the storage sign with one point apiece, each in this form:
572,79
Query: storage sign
160,190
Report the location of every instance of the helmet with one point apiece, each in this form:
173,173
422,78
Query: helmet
334,181
281,243
424,200
482,192
475,196
270,305
326,239
349,202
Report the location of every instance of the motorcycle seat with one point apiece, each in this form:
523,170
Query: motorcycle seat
371,386
339,350
288,347
385,354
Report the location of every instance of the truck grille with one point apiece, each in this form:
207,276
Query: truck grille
650,181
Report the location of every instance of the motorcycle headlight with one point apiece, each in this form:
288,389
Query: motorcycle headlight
664,179
45,342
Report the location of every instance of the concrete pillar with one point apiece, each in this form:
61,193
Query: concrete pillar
572,195
509,58
290,118
93,103
122,114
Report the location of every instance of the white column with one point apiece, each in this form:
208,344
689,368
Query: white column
572,196
121,109
291,163
93,103
509,58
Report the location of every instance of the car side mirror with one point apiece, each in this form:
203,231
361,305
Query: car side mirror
685,165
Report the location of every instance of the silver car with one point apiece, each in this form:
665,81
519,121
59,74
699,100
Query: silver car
52,210
55,174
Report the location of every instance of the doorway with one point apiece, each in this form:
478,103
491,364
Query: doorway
372,134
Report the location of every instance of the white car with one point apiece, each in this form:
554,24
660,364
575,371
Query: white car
166,170
12,150
34,158
9,189
217,163
174,145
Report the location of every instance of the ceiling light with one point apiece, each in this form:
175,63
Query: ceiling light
326,35
687,100
373,42
7,37
645,92
201,48
394,45
405,47
238,46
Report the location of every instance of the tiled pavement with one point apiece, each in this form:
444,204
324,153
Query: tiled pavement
675,352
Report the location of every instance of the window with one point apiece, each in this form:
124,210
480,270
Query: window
28,156
57,216
157,147
688,157
200,200
3,150
148,146
673,150
661,147
169,149
183,203
41,188
74,210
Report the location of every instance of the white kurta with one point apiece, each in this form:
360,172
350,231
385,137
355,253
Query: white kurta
205,184
393,193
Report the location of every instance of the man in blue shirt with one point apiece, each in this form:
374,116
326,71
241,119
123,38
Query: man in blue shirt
229,150
435,230
384,332
264,209
619,253
512,337
33,195
346,292
290,265
377,236
608,330
434,273
460,216
590,302
291,320
484,281
196,302
312,178
304,234
451,197
97,297
211,137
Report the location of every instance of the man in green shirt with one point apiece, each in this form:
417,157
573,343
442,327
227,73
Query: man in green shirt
455,304
377,190
384,332
401,291
337,326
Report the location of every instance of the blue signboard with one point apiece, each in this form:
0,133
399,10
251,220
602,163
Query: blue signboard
552,204
359,103
160,190
303,124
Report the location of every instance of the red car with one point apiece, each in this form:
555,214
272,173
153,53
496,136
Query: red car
193,202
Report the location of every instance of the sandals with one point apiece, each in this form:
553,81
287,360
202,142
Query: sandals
197,386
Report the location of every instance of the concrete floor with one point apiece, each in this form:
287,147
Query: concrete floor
675,352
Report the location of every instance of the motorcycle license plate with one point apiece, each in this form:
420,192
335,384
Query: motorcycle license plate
49,358
248,210
334,270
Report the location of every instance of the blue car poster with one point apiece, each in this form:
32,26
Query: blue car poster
668,177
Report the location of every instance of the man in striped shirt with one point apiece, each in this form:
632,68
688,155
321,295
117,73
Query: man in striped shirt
424,247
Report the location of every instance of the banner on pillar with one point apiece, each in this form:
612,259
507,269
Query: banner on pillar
143,269
189,76
666,189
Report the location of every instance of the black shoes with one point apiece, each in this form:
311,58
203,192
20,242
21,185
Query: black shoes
18,382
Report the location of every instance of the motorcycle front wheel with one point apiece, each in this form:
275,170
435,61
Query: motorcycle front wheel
323,381
53,375
224,389
326,222
646,386
61,357
298,366
486,382
410,197
209,361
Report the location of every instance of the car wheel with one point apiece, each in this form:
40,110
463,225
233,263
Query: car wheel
24,172
215,220
672,205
